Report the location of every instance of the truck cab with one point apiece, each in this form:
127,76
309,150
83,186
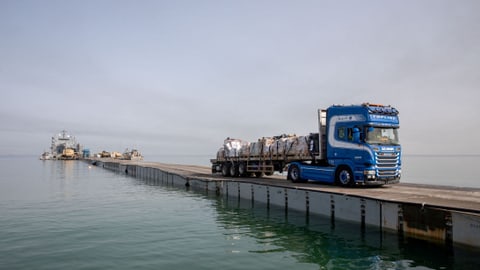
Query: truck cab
357,145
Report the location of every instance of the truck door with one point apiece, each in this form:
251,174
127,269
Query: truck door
347,150
340,153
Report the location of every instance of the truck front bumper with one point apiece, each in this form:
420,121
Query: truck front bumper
375,177
379,182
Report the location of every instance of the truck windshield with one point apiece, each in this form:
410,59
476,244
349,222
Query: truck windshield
382,135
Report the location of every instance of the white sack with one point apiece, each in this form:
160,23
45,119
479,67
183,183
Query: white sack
233,147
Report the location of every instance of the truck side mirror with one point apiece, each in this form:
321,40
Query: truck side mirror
356,135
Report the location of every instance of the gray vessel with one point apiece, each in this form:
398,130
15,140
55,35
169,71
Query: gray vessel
64,147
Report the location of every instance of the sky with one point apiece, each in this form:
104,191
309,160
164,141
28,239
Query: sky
178,77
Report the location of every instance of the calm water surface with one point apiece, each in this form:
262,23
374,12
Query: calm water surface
457,170
69,215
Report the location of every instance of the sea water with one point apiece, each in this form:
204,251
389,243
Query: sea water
71,215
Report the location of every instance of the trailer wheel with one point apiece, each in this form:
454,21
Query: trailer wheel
233,170
226,169
294,174
259,174
242,169
344,176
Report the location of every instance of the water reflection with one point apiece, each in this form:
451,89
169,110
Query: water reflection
63,177
317,240
341,245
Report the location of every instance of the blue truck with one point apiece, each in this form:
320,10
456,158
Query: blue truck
354,145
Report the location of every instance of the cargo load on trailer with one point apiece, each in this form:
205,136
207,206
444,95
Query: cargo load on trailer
355,145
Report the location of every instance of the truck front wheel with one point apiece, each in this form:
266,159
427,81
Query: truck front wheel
294,174
344,176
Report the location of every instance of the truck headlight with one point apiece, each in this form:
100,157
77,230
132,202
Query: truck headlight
370,174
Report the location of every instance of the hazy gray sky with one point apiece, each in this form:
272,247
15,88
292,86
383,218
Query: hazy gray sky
178,77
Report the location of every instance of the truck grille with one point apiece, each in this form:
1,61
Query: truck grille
387,165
